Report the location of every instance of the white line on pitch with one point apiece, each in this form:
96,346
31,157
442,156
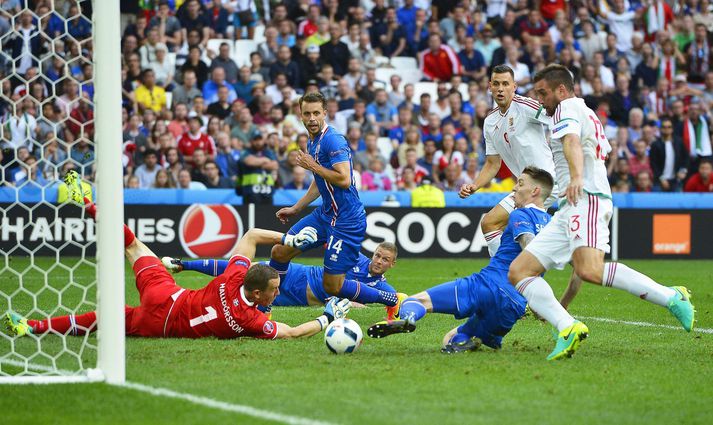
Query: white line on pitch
221,405
643,324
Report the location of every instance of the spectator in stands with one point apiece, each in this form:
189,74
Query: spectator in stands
364,157
169,27
452,181
179,122
354,138
427,195
375,177
148,95
438,62
335,52
411,162
643,182
82,153
194,18
445,156
322,34
147,51
433,131
286,65
185,181
20,128
164,180
186,92
147,171
70,98
309,26
696,133
172,162
299,179
360,118
243,87
699,55
195,139
407,181
257,164
212,178
246,129
701,181
640,160
81,122
669,158
274,90
259,71
226,157
221,107
381,113
196,64
53,154
622,100
217,80
473,62
223,60
335,118
25,42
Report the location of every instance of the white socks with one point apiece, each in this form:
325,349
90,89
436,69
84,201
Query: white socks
617,275
542,301
493,241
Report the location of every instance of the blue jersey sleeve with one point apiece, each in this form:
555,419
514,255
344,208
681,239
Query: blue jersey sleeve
521,223
338,150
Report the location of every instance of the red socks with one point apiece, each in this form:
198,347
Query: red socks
91,210
75,325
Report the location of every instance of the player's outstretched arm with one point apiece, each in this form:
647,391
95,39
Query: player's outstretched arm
575,159
254,237
487,173
284,214
334,309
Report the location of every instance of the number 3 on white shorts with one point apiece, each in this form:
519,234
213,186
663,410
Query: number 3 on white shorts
337,245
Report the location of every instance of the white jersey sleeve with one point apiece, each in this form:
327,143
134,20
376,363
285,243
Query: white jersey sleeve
488,133
533,111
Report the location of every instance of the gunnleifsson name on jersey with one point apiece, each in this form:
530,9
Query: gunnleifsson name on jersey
572,116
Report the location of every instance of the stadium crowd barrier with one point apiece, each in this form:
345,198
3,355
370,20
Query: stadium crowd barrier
208,223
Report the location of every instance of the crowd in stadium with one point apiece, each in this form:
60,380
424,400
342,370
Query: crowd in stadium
211,88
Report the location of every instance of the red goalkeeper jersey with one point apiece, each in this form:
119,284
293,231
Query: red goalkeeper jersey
220,309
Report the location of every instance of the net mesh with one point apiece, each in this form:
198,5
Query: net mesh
47,267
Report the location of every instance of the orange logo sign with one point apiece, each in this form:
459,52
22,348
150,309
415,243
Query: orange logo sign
672,234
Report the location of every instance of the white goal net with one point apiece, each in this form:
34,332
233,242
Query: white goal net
48,261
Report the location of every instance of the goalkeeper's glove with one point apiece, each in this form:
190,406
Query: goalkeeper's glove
334,309
303,239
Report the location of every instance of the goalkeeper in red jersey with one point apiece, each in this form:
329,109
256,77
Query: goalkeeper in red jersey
225,308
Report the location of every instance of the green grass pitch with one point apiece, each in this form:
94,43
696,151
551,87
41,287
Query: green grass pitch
623,373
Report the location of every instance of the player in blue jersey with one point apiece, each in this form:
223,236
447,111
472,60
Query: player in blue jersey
487,298
302,284
340,222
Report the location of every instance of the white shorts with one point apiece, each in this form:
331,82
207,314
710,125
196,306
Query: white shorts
572,227
508,202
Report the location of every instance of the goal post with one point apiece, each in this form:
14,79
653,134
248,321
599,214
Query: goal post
111,358
39,274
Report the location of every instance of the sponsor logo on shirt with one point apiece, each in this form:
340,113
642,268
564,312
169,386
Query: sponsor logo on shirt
563,126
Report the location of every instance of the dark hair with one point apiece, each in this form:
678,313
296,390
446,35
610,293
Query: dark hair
258,277
314,97
555,75
502,69
542,178
145,72
389,246
705,161
149,152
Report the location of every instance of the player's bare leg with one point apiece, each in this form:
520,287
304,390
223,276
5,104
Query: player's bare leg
589,265
280,258
332,283
492,225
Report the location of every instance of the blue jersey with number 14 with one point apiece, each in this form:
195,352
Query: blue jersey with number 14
330,148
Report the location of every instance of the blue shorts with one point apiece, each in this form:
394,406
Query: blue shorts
342,241
493,307
293,288
237,23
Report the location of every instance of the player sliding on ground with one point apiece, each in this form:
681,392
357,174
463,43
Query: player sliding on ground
579,230
341,220
225,308
487,298
302,284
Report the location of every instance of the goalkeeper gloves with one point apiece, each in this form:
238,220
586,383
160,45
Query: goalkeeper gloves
334,309
301,240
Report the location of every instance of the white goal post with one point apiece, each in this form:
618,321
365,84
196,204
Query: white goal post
20,367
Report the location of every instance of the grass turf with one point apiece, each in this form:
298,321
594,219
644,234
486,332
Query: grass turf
622,374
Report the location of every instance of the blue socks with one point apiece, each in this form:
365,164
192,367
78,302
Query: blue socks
281,268
209,267
413,308
365,294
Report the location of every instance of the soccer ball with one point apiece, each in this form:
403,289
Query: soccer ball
343,336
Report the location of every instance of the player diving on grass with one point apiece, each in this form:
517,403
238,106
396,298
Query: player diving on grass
579,230
302,284
515,132
341,220
486,297
225,308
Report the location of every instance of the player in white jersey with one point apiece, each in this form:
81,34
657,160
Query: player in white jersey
515,132
579,230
